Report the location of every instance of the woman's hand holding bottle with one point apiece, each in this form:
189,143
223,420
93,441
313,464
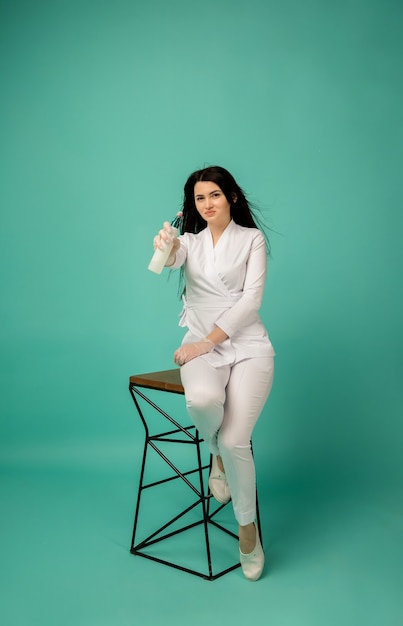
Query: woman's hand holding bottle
165,237
166,245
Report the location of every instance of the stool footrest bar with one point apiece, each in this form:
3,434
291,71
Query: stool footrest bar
166,480
188,570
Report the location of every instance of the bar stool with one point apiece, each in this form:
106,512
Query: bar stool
202,505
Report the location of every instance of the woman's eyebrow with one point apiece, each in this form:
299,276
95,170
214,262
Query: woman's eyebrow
201,195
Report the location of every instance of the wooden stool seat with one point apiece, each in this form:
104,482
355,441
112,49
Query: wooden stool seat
167,380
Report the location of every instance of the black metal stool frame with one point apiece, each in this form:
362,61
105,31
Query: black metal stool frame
191,436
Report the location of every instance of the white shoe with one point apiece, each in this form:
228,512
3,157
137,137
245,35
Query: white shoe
253,563
218,483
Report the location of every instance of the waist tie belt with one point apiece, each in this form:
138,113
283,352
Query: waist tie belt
204,304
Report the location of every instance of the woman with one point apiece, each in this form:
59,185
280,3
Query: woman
226,357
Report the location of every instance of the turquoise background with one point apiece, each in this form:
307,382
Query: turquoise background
105,110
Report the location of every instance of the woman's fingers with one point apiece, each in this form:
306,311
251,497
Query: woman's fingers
164,237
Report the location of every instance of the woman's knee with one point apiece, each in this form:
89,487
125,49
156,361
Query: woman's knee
204,399
233,443
200,401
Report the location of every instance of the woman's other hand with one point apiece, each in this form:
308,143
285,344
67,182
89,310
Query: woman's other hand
189,351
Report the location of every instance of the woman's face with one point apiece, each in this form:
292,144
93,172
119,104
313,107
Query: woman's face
212,204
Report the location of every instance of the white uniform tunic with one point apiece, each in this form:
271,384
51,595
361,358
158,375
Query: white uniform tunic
224,287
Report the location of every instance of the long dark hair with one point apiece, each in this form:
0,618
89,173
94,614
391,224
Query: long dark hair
242,211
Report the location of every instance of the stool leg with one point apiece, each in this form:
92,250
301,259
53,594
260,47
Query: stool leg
139,493
259,527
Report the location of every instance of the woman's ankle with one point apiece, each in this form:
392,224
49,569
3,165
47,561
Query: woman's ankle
220,464
247,538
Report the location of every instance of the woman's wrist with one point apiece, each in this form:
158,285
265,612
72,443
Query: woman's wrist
211,343
170,260
217,336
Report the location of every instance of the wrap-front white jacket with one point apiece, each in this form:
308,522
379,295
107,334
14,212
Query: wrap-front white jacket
224,287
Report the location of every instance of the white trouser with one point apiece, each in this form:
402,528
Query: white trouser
224,404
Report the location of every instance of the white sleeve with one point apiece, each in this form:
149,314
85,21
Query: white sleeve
245,311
